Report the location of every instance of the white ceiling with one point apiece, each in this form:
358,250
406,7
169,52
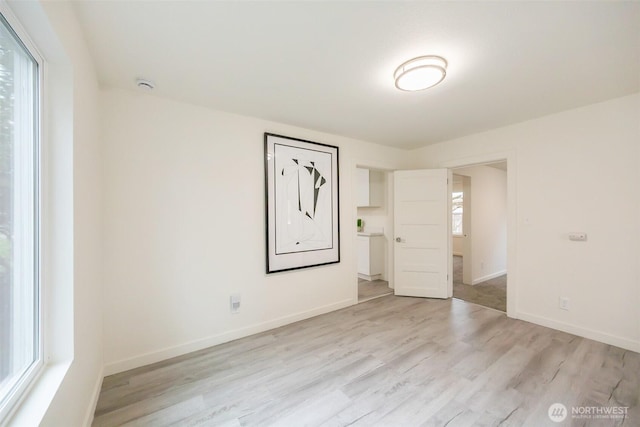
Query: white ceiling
328,65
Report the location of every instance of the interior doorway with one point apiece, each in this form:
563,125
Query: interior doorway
374,219
479,234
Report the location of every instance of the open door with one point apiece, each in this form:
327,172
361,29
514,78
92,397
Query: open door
422,225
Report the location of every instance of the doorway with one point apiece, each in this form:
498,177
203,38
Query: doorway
479,234
374,218
506,158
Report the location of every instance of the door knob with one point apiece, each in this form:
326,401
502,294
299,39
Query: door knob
398,239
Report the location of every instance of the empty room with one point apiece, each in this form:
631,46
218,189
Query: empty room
239,213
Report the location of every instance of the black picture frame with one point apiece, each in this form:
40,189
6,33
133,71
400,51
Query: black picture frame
302,203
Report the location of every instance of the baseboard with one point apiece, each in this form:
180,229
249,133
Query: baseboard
488,277
582,332
369,278
179,350
88,418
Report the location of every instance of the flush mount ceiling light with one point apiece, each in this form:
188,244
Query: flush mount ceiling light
420,73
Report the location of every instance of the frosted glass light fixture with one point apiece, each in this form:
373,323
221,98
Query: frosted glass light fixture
420,73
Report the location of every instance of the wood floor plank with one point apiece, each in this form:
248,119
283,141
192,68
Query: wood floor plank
169,415
391,361
372,289
431,397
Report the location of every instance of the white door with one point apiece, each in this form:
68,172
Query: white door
422,226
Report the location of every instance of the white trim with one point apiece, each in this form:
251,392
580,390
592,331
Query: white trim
388,231
88,418
15,23
369,278
18,392
479,305
479,160
376,297
38,397
512,217
56,214
488,277
582,332
179,350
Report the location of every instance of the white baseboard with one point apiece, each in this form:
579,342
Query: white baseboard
88,418
369,278
488,277
179,350
582,332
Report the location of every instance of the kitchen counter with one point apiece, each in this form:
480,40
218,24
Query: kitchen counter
370,234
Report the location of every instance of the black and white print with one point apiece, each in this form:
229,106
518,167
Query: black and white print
302,203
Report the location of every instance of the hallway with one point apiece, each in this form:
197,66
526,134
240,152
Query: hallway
491,293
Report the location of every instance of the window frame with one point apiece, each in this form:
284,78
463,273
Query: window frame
18,391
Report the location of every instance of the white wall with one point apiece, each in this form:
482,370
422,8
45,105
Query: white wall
184,229
572,171
182,234
457,245
488,222
72,277
83,380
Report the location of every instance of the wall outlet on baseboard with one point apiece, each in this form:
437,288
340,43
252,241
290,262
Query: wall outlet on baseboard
235,303
563,303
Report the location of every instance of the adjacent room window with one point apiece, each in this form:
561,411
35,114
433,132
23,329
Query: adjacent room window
456,207
20,335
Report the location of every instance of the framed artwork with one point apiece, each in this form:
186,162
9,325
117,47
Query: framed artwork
302,204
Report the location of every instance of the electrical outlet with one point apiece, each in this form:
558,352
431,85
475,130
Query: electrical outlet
234,301
563,303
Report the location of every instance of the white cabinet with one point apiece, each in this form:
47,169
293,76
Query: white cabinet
370,188
370,256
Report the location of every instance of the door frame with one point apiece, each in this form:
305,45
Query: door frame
467,230
510,158
388,233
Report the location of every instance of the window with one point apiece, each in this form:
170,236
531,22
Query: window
456,204
20,331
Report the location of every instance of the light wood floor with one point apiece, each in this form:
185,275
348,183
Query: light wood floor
391,361
372,289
